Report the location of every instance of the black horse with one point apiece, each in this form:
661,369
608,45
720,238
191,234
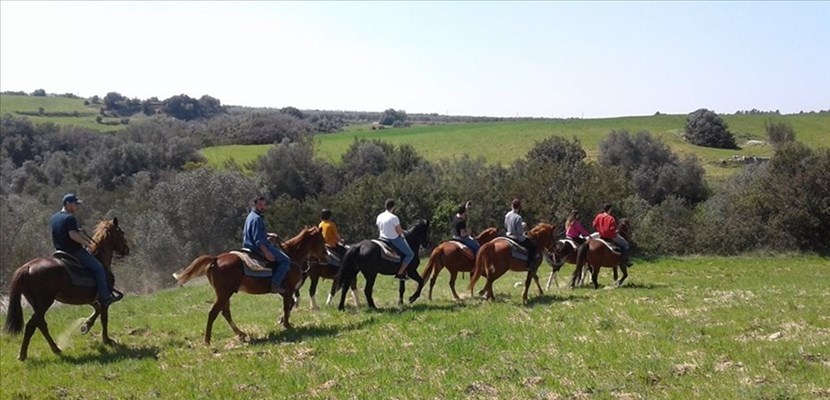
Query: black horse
365,257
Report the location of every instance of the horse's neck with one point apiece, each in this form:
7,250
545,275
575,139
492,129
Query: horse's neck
104,255
297,250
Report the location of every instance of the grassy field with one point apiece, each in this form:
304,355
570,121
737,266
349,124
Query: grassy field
11,104
725,328
503,142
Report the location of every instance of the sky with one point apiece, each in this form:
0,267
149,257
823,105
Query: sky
505,59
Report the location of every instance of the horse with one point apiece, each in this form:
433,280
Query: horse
562,253
365,257
326,271
597,255
226,274
448,254
496,257
44,280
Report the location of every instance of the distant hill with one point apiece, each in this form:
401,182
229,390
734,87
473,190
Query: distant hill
58,110
503,142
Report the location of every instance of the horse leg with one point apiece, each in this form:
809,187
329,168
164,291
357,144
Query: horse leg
312,291
488,287
401,290
528,279
434,278
624,275
413,273
354,293
91,320
287,305
551,280
334,284
370,284
538,286
40,321
105,313
595,276
214,312
226,312
615,274
453,276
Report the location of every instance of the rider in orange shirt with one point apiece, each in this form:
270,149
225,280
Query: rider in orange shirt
606,226
330,233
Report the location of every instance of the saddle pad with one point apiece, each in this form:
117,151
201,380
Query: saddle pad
387,252
253,267
333,259
466,250
78,274
569,242
519,251
611,246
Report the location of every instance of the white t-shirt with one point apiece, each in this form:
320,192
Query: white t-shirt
386,223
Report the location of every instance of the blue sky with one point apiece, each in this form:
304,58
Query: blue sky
543,59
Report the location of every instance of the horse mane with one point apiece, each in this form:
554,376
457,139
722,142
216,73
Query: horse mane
296,240
100,234
415,225
539,229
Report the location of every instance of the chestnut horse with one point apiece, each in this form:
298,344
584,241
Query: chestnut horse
449,255
496,257
44,280
597,255
226,275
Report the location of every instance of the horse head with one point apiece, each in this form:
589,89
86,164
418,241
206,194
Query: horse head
108,236
308,243
419,232
544,235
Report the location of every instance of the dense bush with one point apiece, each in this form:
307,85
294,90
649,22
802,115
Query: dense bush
705,128
779,132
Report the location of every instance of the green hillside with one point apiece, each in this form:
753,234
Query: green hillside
703,328
21,105
502,142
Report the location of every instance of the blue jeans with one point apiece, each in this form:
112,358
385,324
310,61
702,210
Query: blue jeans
283,264
471,243
403,247
90,262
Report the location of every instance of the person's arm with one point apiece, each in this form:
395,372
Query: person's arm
336,233
399,230
582,230
74,235
261,239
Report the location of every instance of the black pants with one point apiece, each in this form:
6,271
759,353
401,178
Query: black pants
531,251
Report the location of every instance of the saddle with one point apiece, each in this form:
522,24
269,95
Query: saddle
569,242
388,252
611,246
254,264
466,250
78,274
333,259
519,251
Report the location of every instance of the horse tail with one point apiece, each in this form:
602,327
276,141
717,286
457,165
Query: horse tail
581,259
14,316
433,261
482,261
197,268
348,268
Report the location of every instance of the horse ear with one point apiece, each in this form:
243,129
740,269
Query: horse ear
115,222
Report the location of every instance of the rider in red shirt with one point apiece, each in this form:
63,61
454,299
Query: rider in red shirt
606,226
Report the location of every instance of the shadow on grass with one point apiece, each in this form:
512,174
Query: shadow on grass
110,354
546,299
309,332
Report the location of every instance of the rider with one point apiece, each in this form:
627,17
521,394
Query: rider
459,228
390,229
330,234
255,238
68,237
606,226
516,230
574,230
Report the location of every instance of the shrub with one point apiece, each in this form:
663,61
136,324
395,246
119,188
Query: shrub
779,132
705,128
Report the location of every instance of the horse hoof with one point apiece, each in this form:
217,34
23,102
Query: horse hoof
57,350
84,329
21,357
109,342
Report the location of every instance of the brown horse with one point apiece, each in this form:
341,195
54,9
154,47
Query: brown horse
449,255
496,257
44,280
326,271
225,272
597,255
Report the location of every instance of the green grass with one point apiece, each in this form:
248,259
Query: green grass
12,103
726,328
503,142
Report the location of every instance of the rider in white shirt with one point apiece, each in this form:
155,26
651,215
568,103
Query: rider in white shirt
390,229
